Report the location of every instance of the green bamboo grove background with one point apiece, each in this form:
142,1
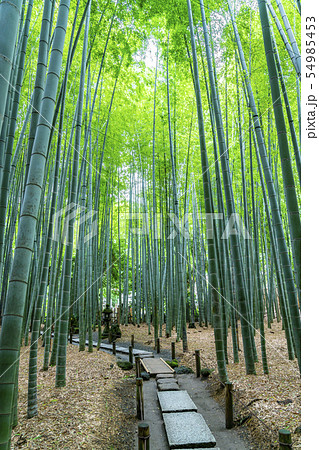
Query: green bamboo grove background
149,160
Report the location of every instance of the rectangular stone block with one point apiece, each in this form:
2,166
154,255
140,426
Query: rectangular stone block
188,430
161,376
166,380
175,401
137,352
144,355
168,387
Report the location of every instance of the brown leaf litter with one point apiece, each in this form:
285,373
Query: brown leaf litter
95,410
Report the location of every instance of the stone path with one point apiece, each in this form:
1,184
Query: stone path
178,401
213,413
184,409
178,409
187,430
184,426
206,406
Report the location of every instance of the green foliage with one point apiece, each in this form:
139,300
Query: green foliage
183,369
206,372
125,365
173,363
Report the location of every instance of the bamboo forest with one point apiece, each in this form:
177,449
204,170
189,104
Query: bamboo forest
150,177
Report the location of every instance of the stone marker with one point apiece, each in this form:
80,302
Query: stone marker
160,376
176,401
168,387
187,430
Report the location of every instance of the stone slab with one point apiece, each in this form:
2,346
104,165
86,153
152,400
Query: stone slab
166,380
176,401
161,376
187,430
168,387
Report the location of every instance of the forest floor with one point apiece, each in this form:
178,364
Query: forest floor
263,404
95,410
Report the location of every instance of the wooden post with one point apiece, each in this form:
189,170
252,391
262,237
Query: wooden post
173,350
143,436
284,439
139,399
114,347
229,405
138,366
130,354
132,340
197,357
158,345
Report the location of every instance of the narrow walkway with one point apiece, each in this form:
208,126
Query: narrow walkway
182,414
202,418
119,349
213,413
153,416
